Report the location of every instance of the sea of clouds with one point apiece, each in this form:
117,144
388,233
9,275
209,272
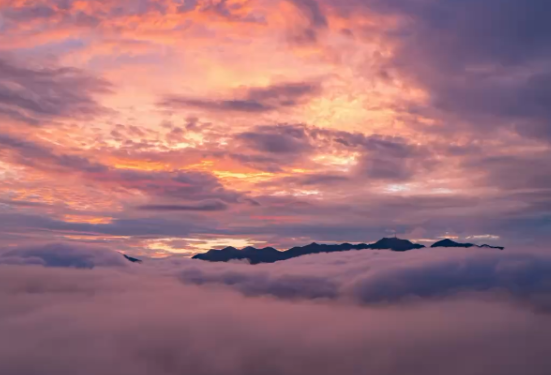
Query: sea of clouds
72,309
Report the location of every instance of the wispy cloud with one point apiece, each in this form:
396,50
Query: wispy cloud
274,121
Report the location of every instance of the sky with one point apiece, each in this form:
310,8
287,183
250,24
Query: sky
176,126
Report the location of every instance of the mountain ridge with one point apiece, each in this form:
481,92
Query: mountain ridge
271,255
451,243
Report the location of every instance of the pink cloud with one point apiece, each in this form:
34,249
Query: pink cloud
67,321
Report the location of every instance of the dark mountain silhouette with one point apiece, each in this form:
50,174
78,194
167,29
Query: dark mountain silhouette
265,255
492,247
270,255
133,260
450,243
395,244
315,248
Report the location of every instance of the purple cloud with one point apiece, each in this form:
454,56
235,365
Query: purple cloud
139,322
208,205
34,94
62,255
254,100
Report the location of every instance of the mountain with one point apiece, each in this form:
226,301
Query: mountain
395,244
492,247
450,243
254,255
270,255
133,260
315,248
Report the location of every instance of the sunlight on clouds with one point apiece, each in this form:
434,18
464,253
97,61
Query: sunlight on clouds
484,237
141,165
284,108
397,188
297,193
7,171
423,188
192,245
450,236
304,192
94,238
341,163
87,219
163,244
443,191
204,164
277,219
181,145
255,176
340,113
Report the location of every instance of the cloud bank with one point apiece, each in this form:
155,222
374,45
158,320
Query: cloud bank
455,313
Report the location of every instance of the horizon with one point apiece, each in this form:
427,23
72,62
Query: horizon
271,255
221,247
399,238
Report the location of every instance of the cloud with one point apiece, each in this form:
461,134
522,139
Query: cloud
370,276
151,226
140,322
29,13
511,172
189,185
231,11
443,77
271,148
61,255
393,159
264,162
22,203
37,94
209,205
377,157
307,32
253,99
33,154
484,64
282,139
316,179
362,276
313,11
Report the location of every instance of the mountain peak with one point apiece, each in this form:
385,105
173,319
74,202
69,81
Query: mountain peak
492,247
270,255
132,259
451,243
229,248
396,244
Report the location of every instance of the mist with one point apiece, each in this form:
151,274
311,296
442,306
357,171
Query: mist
422,312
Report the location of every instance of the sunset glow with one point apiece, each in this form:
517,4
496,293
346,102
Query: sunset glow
130,122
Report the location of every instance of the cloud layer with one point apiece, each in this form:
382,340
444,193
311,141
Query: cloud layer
37,95
384,312
358,276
